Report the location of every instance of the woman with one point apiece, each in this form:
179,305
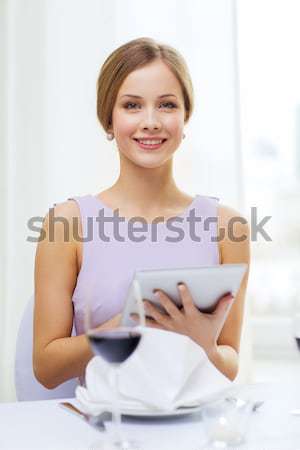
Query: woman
145,99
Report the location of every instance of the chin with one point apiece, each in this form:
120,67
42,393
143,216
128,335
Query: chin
147,161
151,163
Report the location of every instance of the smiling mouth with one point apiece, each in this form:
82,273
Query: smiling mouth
150,144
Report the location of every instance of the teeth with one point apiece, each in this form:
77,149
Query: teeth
150,142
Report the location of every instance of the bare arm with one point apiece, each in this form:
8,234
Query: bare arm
57,356
225,355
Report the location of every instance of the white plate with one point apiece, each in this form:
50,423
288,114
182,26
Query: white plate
159,413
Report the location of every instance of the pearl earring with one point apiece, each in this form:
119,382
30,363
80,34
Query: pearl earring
110,136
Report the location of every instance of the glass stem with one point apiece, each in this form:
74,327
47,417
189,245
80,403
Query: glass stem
116,405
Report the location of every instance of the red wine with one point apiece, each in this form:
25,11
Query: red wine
114,346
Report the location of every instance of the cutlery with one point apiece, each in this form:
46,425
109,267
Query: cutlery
94,421
257,405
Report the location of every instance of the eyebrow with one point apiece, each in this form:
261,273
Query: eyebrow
138,96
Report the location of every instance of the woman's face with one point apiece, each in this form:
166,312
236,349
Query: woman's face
149,106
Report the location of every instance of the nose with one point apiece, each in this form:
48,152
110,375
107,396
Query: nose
150,121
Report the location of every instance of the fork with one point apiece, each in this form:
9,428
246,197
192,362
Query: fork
94,421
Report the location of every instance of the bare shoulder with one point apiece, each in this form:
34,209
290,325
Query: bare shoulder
228,214
234,235
63,219
57,250
232,221
68,210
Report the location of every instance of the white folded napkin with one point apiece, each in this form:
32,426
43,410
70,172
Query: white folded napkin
166,371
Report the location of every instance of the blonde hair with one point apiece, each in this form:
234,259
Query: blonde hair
130,56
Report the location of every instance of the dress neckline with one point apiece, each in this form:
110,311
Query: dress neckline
181,215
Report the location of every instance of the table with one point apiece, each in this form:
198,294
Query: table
43,425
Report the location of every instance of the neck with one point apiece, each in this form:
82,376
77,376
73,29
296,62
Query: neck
146,188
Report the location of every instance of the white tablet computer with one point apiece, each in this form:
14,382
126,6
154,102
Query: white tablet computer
206,284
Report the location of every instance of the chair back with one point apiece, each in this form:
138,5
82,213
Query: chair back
27,386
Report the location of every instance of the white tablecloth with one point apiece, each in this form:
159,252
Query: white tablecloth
44,426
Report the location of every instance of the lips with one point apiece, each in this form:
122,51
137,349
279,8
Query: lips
150,144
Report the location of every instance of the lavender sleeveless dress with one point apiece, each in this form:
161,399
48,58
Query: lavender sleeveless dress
112,251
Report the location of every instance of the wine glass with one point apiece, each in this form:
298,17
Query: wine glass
115,346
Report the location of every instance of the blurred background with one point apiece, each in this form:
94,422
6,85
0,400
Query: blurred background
242,144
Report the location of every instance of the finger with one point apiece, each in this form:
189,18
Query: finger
168,304
148,322
223,305
159,317
135,317
153,324
187,300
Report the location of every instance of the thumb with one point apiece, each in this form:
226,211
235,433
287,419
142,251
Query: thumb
223,305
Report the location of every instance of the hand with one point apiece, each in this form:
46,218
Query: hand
203,328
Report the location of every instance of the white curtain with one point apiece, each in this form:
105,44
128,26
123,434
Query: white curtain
52,146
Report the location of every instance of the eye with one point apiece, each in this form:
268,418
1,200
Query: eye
170,105
129,105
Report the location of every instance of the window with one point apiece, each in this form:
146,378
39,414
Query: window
268,48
